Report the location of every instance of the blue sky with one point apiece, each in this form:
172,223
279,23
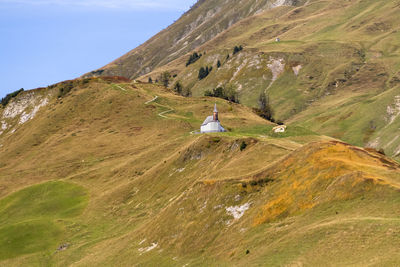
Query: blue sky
46,41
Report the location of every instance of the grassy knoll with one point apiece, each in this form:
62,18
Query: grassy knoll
28,223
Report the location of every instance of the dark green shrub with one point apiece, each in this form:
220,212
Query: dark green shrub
227,93
97,72
178,88
64,89
268,180
219,92
85,81
187,92
230,94
216,139
5,100
203,72
237,49
243,146
208,93
265,110
165,77
193,58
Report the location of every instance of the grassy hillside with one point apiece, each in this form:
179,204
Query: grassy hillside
108,174
335,70
28,223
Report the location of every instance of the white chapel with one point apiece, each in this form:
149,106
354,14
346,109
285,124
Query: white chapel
212,124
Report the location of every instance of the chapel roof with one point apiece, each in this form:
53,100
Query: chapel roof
208,120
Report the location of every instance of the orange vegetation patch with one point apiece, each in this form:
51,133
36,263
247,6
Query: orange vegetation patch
209,182
322,172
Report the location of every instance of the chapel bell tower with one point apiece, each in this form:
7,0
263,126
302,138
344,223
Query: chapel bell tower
215,117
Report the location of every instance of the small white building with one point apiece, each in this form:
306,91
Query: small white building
212,124
279,129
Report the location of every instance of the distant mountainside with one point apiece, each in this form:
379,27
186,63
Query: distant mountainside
204,21
335,70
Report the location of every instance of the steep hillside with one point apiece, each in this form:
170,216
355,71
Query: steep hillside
335,71
205,20
108,172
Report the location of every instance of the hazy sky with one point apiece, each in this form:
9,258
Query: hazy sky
46,41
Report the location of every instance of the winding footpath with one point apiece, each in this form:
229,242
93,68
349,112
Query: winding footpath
162,113
123,89
154,99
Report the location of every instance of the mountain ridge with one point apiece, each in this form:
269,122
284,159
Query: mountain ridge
204,19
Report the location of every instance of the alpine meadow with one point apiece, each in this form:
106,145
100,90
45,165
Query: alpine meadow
247,133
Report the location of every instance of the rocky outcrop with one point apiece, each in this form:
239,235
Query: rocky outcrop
21,109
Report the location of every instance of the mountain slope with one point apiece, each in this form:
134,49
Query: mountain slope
204,21
144,190
335,70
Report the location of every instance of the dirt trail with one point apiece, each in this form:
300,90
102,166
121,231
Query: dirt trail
161,114
154,99
123,89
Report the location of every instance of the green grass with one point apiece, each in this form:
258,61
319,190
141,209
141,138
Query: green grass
28,217
266,130
28,237
46,201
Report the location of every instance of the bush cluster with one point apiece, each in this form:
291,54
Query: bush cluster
165,78
64,89
193,58
180,90
227,93
237,49
5,100
264,109
203,72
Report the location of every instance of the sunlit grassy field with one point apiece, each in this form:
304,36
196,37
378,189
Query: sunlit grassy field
101,172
